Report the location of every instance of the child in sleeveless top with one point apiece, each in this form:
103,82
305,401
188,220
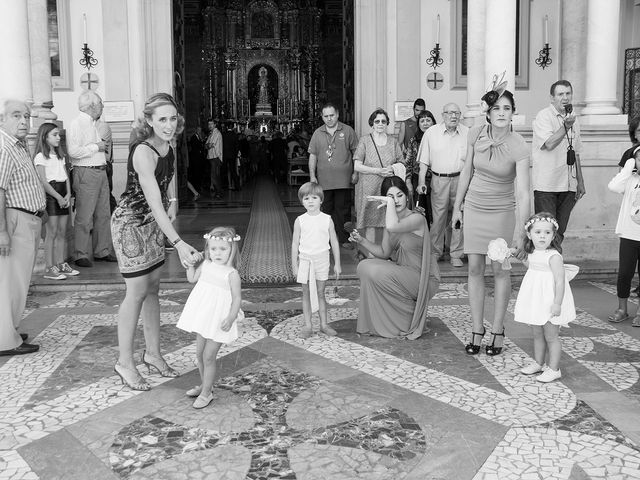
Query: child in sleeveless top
545,300
212,310
313,232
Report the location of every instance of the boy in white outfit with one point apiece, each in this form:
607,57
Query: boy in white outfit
313,232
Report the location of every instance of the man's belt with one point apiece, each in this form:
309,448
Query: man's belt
96,167
38,214
454,174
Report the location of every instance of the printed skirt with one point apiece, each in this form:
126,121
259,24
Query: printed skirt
138,242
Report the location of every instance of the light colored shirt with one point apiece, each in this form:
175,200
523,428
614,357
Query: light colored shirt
314,233
214,144
627,182
104,132
18,176
54,168
442,150
82,142
550,171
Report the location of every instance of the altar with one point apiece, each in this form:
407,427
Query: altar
262,64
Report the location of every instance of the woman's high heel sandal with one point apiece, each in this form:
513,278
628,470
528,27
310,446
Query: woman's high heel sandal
139,384
471,348
492,350
164,369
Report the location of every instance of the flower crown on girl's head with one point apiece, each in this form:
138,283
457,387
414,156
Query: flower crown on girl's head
541,217
223,237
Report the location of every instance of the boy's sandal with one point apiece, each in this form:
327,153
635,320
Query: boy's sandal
636,321
305,332
618,316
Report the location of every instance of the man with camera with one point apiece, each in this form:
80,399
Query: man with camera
557,174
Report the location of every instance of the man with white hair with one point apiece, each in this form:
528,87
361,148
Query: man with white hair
22,204
444,149
92,228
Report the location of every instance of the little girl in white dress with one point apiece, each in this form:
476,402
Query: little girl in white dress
545,300
213,307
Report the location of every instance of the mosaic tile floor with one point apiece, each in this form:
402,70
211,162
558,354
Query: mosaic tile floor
344,407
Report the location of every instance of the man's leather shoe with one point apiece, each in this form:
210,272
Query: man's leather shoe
107,258
84,262
24,336
20,350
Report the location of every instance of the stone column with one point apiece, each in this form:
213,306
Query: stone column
500,41
40,61
476,24
370,62
573,50
15,82
602,63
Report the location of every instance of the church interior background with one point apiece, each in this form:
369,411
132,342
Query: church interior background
264,65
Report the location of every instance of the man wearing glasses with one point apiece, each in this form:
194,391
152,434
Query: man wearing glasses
331,165
444,149
22,204
409,127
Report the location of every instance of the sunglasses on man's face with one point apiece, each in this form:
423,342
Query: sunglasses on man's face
380,121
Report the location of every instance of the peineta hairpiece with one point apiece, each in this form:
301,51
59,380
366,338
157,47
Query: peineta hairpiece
210,236
496,89
541,218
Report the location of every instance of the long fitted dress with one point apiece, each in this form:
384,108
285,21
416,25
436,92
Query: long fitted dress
367,213
394,296
137,239
489,206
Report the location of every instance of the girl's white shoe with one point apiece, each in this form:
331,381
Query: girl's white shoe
532,368
194,392
549,375
202,401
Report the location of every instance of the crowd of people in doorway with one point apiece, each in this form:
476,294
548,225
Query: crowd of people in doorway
223,159
436,186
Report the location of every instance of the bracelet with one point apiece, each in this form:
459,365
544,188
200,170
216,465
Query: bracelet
173,200
176,241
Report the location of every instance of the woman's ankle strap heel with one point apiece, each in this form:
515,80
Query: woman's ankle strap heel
471,348
492,350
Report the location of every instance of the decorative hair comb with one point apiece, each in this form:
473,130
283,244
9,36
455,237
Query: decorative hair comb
210,236
541,218
495,90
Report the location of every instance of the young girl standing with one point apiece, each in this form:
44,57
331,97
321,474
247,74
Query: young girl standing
627,182
213,307
544,301
49,163
313,232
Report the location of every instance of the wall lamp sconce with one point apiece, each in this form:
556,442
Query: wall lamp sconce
544,58
435,60
87,59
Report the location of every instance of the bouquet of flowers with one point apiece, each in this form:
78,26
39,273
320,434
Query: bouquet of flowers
499,251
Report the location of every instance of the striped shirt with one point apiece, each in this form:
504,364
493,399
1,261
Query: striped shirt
18,176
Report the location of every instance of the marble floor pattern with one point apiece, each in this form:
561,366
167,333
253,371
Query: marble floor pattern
344,407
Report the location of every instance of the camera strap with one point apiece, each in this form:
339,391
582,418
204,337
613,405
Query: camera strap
569,139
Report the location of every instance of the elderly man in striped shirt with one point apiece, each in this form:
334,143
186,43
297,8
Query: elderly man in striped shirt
22,204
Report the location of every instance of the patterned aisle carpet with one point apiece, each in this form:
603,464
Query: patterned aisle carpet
266,253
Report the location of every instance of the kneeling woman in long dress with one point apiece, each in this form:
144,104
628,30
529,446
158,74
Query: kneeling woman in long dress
396,286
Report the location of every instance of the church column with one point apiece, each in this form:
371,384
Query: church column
476,22
500,42
15,82
370,66
231,62
40,61
573,43
602,63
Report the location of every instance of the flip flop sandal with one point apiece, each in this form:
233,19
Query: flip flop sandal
618,316
636,321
